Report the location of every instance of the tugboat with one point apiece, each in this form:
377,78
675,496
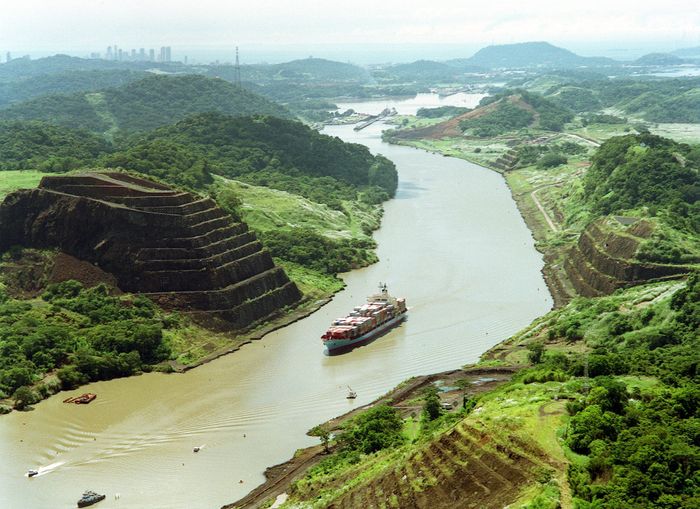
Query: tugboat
89,498
83,399
365,322
32,472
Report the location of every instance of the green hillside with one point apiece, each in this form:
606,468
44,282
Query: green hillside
269,151
64,83
23,68
143,105
68,110
45,147
511,110
631,171
654,99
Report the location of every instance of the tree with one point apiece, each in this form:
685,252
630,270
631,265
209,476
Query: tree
535,352
321,432
432,407
376,429
24,397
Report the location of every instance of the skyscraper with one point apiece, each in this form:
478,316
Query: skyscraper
168,54
9,57
152,55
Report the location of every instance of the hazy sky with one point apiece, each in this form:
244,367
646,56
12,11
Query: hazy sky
312,25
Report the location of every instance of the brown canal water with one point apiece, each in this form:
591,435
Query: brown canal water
452,242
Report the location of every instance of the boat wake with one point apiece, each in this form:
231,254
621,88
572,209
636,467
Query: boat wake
48,468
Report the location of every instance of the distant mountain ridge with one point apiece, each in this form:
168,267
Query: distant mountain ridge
693,52
659,59
529,54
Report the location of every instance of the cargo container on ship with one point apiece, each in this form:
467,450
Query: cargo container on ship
366,322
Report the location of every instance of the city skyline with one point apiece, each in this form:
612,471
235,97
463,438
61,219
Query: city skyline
268,27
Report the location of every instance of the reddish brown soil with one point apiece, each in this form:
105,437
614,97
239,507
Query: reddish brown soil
66,267
450,128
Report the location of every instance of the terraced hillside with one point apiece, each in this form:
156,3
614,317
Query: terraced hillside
604,258
466,468
183,251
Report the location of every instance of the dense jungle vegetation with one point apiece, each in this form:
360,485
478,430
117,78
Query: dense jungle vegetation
84,334
641,444
631,171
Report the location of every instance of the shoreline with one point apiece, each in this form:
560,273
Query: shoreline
556,290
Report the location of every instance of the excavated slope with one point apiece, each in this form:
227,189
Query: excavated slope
450,128
465,468
182,251
603,261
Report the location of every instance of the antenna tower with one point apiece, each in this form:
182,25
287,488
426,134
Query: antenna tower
238,71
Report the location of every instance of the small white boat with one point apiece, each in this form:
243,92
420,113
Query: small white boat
351,394
32,473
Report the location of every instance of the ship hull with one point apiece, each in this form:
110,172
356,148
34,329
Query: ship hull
334,346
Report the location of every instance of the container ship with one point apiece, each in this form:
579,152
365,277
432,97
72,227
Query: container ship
381,312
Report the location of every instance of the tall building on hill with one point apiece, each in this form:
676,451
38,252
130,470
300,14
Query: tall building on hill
152,55
8,56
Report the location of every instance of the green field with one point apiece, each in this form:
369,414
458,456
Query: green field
18,179
265,209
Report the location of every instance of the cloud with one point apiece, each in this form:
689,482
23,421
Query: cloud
34,24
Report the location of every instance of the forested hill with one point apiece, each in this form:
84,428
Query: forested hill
263,150
145,104
45,147
633,171
654,99
530,54
22,68
64,83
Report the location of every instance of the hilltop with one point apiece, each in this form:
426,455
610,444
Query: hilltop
499,114
659,59
22,68
529,54
144,104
